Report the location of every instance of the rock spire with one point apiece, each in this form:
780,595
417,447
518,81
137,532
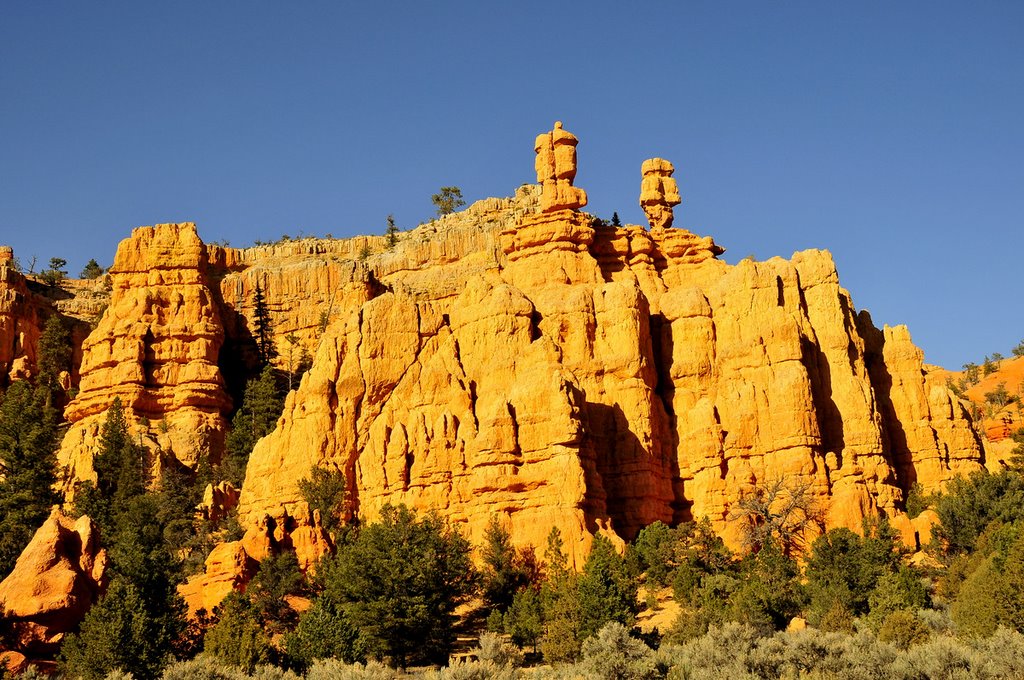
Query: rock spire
658,192
556,170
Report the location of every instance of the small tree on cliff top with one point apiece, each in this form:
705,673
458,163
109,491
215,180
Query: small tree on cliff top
448,200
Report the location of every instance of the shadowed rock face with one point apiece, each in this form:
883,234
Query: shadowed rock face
57,578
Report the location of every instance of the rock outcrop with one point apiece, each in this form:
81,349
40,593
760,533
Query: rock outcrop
56,579
556,170
659,192
21,321
522,360
156,348
595,378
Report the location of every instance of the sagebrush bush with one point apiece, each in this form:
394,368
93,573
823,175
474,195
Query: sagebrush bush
332,669
613,654
494,649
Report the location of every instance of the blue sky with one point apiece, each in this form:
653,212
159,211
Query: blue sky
888,133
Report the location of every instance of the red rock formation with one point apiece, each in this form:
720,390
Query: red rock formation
658,192
520,359
556,170
56,579
156,348
597,379
20,321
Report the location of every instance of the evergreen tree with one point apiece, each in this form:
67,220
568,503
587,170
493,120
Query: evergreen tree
28,441
324,492
278,577
607,591
92,270
261,407
54,356
391,232
263,327
118,633
399,582
120,472
238,639
615,220
505,570
56,273
448,200
324,632
560,602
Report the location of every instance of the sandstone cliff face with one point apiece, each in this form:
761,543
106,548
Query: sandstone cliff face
20,321
598,379
522,359
57,578
156,348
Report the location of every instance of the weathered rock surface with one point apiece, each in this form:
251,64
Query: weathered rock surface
156,348
21,321
521,359
56,579
659,192
556,170
597,379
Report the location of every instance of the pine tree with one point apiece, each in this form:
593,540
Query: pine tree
92,270
448,200
503,572
28,441
391,232
607,592
615,220
118,633
54,356
261,407
120,467
399,582
262,327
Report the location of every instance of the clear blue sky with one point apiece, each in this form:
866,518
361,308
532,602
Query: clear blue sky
889,133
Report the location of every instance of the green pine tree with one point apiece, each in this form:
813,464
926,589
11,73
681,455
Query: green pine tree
28,441
117,634
399,582
261,407
263,330
391,232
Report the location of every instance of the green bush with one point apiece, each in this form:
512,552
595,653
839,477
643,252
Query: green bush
613,655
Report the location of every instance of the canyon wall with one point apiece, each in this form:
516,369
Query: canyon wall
522,359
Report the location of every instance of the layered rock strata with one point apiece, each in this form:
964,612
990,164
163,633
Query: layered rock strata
21,321
156,348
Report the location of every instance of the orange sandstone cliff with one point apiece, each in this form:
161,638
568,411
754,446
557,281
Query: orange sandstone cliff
525,360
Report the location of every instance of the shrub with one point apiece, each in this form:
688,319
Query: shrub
613,655
903,630
333,669
495,650
324,632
